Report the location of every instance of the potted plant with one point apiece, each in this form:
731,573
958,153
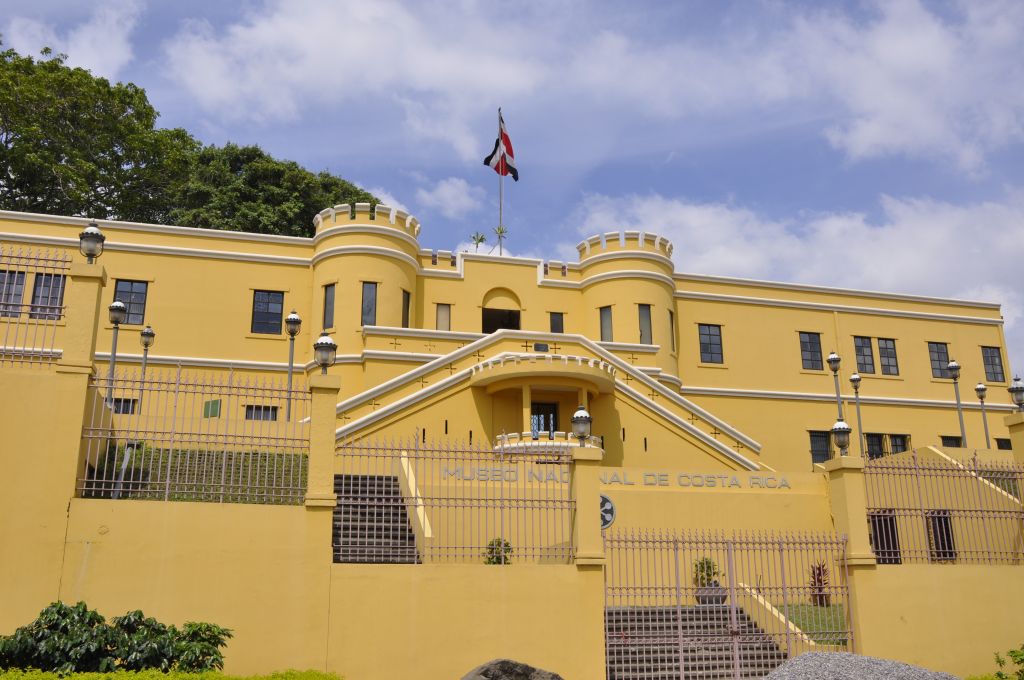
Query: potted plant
705,578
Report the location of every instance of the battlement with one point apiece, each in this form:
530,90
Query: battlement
364,213
618,241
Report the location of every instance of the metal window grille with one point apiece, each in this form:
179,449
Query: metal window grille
898,443
993,360
865,354
810,351
411,502
951,441
874,444
178,437
267,311
887,356
133,295
821,445
938,354
696,604
28,331
944,510
710,338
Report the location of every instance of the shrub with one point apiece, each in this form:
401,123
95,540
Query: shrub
820,596
498,552
1017,657
706,573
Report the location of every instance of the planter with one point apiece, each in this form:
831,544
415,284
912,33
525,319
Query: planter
711,595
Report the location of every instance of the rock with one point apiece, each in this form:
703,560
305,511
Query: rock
846,666
506,669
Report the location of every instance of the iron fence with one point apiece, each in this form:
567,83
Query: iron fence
179,437
32,283
696,604
413,502
944,510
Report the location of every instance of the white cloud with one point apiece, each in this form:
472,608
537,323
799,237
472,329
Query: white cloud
919,246
453,197
101,44
386,197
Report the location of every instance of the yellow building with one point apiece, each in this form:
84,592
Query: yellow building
353,520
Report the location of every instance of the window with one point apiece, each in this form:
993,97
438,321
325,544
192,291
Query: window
133,295
443,317
951,442
543,418
810,351
1003,444
885,539
875,444
329,306
821,445
124,405
646,337
865,355
710,343
941,547
211,408
406,303
47,297
938,353
260,412
898,443
496,319
606,324
12,292
368,313
887,356
993,364
672,329
267,306
557,322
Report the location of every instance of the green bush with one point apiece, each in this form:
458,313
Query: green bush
75,639
706,573
1017,657
499,551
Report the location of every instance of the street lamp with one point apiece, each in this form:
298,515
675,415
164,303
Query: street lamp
855,382
841,436
833,363
147,336
292,325
1016,390
981,390
581,422
90,242
325,351
954,372
117,312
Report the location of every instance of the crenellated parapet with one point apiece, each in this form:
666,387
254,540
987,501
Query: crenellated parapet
365,213
624,241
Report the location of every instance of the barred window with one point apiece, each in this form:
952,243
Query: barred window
125,405
941,547
993,364
821,445
133,295
260,412
887,356
885,537
865,355
898,443
810,351
267,308
938,353
12,292
950,441
875,444
47,297
710,337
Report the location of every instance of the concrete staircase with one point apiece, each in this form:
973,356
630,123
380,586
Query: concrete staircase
371,525
644,644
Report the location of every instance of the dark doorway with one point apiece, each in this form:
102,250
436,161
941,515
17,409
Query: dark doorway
496,319
543,418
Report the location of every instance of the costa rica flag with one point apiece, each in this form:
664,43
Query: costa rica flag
503,159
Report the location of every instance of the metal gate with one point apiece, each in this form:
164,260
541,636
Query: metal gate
692,604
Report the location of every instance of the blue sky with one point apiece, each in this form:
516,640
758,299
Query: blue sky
872,145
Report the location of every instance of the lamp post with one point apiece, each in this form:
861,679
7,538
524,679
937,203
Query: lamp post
981,390
855,382
954,372
833,363
147,336
325,352
90,242
117,312
841,436
581,422
292,324
1016,390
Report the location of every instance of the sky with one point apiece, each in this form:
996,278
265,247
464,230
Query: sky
873,144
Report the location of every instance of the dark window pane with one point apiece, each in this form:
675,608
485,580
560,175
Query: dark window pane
133,295
12,292
124,405
260,412
810,351
47,297
329,306
368,313
543,418
993,364
672,328
885,539
606,324
951,441
496,319
710,338
267,307
557,322
821,445
938,354
406,303
646,335
1003,444
865,356
887,356
875,444
941,547
898,443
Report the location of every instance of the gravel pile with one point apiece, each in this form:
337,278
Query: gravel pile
846,666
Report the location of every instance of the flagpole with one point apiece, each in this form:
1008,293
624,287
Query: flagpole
501,177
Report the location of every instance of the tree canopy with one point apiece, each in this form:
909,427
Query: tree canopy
75,144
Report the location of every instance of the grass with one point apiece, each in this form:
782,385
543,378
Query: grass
824,625
157,675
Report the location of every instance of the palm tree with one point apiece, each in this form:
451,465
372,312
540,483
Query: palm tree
502,234
477,238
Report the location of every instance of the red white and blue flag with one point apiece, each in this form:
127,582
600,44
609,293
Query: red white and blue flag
503,159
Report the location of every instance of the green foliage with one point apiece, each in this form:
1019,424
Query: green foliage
1017,657
705,573
74,639
161,675
498,551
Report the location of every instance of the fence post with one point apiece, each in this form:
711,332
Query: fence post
322,441
1015,424
81,314
586,494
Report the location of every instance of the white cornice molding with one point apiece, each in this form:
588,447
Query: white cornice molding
630,347
367,250
420,333
822,306
629,274
814,396
388,232
629,255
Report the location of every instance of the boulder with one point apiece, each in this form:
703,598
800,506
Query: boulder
506,669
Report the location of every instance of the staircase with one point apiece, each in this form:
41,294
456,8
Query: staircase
371,525
644,644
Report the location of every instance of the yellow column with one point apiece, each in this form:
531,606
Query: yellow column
1015,423
527,400
323,425
586,492
81,316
